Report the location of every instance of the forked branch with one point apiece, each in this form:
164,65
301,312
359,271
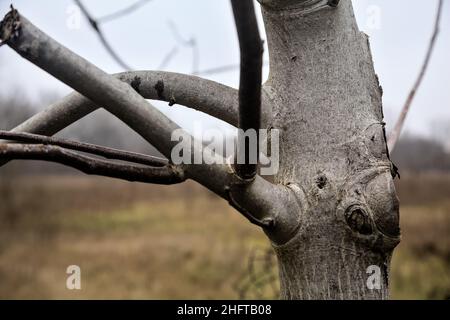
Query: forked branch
114,95
212,98
159,175
207,96
105,152
267,204
251,49
395,133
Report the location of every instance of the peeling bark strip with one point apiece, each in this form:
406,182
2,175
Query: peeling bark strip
332,211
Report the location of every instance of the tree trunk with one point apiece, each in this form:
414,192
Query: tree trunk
326,102
332,214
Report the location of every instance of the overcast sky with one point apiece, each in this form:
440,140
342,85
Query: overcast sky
399,33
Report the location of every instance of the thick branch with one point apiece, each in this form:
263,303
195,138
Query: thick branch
395,134
269,204
89,165
251,48
207,96
108,153
116,96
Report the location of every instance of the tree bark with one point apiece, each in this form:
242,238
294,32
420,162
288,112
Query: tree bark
331,213
326,101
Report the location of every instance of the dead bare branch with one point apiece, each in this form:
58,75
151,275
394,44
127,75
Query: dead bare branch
96,27
94,166
395,133
221,69
122,12
191,43
251,48
168,58
108,153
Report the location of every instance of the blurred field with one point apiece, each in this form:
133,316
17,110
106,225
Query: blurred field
153,242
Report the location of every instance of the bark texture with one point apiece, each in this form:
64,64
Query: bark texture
326,100
331,211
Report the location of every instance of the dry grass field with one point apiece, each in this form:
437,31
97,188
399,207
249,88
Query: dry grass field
140,241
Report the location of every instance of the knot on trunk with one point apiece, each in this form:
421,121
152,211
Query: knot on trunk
358,220
371,210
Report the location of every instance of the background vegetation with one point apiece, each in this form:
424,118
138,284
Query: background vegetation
141,241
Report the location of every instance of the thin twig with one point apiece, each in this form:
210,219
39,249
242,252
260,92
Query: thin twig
89,165
251,49
105,152
395,133
216,70
191,43
95,26
168,58
122,12
222,69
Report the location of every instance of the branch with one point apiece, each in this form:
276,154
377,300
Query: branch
109,92
161,175
251,48
191,43
168,58
114,95
222,69
216,70
210,97
95,25
395,133
108,153
268,205
120,13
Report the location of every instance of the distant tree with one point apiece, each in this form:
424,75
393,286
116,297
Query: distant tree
13,111
418,154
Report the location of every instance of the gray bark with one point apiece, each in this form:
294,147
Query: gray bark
207,96
332,210
89,165
327,101
256,199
